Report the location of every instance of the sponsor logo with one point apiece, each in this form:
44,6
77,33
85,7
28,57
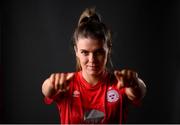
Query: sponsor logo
93,116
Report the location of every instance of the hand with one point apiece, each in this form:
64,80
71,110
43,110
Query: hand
60,81
126,78
135,89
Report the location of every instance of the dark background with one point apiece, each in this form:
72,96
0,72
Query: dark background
36,40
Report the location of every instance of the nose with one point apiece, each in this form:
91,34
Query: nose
92,57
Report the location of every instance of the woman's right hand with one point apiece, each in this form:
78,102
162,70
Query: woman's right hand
57,82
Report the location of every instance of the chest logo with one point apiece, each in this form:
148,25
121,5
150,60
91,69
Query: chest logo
112,96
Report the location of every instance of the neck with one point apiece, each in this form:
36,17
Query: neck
92,79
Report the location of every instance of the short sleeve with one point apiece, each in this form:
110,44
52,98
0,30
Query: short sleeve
48,100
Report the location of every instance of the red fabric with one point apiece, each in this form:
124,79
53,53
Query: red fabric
82,97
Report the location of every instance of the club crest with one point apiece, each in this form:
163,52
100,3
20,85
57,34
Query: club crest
112,96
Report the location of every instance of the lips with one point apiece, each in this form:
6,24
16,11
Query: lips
93,67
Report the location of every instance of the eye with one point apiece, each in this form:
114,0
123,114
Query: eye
85,53
100,52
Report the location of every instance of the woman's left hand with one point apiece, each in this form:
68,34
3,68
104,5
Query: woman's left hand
126,78
135,88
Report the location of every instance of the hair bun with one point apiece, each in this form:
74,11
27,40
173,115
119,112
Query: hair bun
89,15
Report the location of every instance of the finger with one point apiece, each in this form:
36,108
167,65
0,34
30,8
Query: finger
57,76
130,74
62,80
127,74
129,77
64,88
52,79
65,81
119,78
69,76
118,75
124,71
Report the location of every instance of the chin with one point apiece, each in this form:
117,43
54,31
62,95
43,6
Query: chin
94,72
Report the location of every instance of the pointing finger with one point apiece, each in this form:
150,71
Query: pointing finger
119,78
69,76
118,75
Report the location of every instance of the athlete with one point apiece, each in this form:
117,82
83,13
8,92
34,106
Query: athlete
94,93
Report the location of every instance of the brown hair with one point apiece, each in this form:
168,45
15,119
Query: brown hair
90,25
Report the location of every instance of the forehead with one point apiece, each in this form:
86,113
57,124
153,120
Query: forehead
89,43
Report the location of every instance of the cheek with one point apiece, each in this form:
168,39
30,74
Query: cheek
103,58
83,60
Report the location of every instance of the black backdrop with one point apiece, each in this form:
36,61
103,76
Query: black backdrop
35,41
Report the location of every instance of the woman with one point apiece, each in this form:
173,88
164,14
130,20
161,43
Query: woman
93,94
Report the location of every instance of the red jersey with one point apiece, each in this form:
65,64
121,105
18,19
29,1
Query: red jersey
84,103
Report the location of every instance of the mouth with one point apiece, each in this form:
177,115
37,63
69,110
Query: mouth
93,67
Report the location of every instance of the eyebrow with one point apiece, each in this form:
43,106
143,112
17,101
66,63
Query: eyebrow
100,49
83,50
